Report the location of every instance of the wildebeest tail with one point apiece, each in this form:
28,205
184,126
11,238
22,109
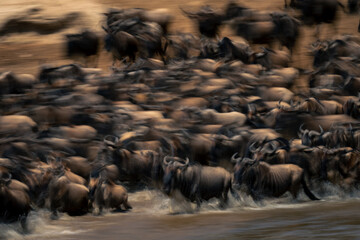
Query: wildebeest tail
307,190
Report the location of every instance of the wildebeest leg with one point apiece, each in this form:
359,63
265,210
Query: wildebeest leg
255,196
224,200
294,190
194,194
54,215
114,61
53,207
86,61
126,205
23,223
334,27
132,57
307,190
96,59
317,31
124,61
234,193
285,4
359,26
292,3
198,203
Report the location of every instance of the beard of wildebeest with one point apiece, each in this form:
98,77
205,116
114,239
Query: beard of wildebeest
169,180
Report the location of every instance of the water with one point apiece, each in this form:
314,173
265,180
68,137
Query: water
154,216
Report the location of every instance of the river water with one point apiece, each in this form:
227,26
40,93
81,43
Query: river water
154,216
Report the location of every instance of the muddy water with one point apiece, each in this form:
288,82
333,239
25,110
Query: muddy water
154,216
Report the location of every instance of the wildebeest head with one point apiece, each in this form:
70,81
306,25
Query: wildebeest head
208,20
224,47
242,166
239,51
310,137
172,165
109,40
233,10
272,151
320,52
85,43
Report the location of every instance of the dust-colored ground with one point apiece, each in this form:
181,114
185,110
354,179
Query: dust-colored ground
23,53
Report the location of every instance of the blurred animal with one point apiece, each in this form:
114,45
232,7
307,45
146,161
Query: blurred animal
264,180
105,193
208,20
14,200
68,196
315,12
121,44
232,50
84,44
196,182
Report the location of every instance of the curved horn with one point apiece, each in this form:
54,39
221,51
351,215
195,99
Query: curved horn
110,142
233,159
166,160
321,129
253,149
6,180
187,161
272,149
252,161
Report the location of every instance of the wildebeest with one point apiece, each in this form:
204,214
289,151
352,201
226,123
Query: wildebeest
208,20
84,44
67,196
106,194
267,27
233,10
14,200
160,16
133,166
11,83
319,11
286,29
272,58
273,151
231,50
353,6
196,182
264,180
258,32
334,49
122,45
149,36
182,45
16,125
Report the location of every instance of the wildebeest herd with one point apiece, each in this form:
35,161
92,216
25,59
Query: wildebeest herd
211,116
